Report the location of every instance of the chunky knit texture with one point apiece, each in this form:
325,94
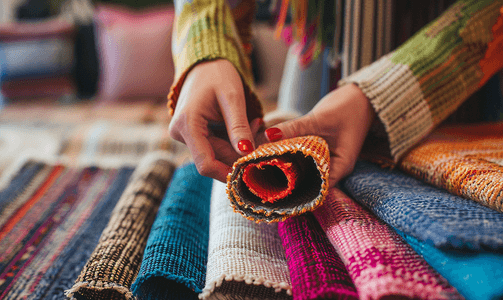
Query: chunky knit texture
380,263
116,260
423,211
267,173
421,83
466,160
177,247
316,270
245,260
476,275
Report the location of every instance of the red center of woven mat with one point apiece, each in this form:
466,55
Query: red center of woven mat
271,180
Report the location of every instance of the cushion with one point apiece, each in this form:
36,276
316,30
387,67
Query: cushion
134,49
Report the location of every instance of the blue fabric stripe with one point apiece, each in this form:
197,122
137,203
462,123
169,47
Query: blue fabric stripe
177,247
425,212
19,183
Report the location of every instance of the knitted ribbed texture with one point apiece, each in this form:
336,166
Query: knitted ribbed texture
245,260
177,247
115,262
311,158
424,211
465,160
206,30
380,263
416,87
476,275
316,270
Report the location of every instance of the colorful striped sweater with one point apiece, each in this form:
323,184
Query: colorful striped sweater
412,89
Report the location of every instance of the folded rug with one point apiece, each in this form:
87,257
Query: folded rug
279,180
465,160
316,270
476,275
423,211
174,261
380,263
115,262
245,260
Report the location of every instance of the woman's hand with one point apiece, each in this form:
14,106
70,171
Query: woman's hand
212,96
343,118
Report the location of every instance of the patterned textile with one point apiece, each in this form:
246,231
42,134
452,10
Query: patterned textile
316,270
465,160
115,262
417,86
245,260
177,248
380,263
293,170
51,216
476,275
207,30
425,212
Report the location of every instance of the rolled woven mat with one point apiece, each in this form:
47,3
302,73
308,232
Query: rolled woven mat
466,160
381,264
316,270
174,261
476,275
279,180
245,260
423,211
115,262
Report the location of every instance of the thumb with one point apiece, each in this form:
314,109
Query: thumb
305,125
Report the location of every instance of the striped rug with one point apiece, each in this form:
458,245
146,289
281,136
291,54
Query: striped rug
51,217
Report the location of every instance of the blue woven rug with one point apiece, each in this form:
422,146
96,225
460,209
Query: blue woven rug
174,261
425,212
476,275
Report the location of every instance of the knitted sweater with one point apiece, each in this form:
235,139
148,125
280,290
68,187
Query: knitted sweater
412,89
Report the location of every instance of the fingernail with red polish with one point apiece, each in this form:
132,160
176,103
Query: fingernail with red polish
245,146
273,134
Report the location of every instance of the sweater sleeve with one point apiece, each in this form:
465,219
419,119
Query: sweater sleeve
212,29
417,86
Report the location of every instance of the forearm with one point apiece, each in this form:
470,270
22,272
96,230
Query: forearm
422,82
206,30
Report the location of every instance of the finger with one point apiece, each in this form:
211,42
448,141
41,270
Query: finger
204,157
223,150
233,106
305,125
344,153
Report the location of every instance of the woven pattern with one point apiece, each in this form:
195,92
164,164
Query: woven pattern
245,260
424,211
51,217
380,263
476,275
465,160
177,247
115,262
311,158
421,83
316,270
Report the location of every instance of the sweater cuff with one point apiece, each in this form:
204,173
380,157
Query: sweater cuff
205,30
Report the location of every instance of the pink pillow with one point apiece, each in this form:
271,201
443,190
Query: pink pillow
134,49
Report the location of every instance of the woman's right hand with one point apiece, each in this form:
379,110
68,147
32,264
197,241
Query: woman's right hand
212,95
